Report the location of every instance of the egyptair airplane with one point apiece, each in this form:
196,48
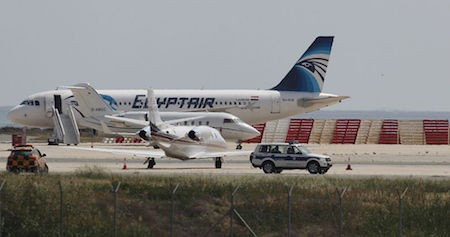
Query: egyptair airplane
180,142
300,91
97,114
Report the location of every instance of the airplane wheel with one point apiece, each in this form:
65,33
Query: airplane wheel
218,163
151,163
239,147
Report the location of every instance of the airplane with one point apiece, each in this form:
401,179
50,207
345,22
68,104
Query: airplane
300,91
176,141
97,114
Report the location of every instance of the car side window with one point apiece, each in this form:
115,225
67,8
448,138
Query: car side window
290,150
275,149
264,149
297,151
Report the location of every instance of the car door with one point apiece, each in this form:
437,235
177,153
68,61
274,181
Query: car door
300,158
278,154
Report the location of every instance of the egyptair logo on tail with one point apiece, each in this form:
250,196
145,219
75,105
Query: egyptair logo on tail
110,101
317,66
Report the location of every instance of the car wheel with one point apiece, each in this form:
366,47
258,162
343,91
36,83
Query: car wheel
278,170
268,167
313,167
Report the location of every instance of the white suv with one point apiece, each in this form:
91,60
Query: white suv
274,157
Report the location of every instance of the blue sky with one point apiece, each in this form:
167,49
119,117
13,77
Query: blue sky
388,55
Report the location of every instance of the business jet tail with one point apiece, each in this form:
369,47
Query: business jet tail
308,73
90,103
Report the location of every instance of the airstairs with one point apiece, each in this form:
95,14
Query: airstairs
66,128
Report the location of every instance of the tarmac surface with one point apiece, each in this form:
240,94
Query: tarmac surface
365,160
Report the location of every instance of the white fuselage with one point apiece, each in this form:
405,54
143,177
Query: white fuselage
252,106
176,143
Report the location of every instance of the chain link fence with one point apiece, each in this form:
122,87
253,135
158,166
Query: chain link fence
120,208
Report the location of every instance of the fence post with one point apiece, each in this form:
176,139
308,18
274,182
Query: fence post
61,209
115,189
290,210
173,209
400,207
1,220
341,211
232,210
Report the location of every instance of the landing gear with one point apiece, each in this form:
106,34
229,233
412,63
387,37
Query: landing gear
151,162
239,146
218,162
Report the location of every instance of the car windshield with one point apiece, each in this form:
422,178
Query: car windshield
21,152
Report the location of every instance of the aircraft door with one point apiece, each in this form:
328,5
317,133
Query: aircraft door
58,103
276,102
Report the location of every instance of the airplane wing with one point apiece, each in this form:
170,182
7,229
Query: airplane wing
204,155
130,152
145,123
161,154
136,122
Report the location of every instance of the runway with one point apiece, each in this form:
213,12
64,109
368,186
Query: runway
365,160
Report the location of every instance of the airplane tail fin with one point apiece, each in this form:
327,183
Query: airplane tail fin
90,103
308,73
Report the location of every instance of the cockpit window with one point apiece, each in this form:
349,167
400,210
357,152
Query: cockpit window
30,102
227,120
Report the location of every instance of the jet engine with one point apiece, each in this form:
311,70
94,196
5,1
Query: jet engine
145,133
193,135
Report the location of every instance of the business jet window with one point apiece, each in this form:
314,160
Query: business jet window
207,123
199,122
227,121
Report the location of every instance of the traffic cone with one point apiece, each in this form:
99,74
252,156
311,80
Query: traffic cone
349,166
124,163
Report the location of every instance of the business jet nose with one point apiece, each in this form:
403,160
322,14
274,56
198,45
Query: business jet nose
250,132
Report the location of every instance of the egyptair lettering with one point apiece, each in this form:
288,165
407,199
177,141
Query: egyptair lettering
141,102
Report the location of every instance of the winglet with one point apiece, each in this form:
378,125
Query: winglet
308,73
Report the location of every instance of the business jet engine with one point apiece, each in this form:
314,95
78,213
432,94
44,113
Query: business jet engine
145,134
200,133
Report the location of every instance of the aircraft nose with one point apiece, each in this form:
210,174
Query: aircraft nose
14,114
251,132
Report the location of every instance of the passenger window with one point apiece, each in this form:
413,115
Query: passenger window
290,150
264,149
297,151
275,149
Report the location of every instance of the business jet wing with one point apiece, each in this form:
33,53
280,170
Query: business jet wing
145,123
130,152
204,155
161,154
